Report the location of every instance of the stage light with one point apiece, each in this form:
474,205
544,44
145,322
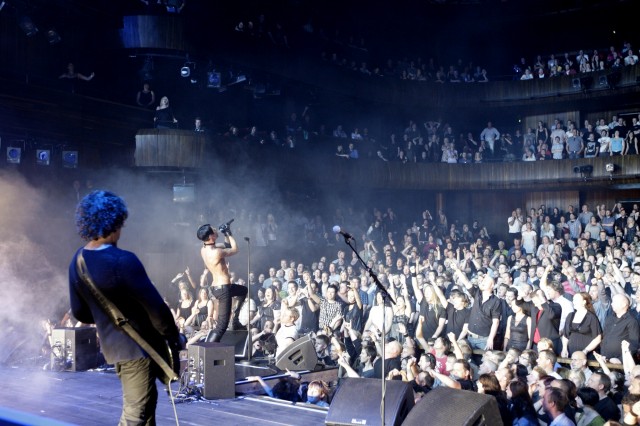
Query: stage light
70,159
14,155
610,167
27,25
53,37
43,157
575,83
188,68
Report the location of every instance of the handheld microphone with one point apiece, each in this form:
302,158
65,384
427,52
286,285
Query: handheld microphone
230,222
345,234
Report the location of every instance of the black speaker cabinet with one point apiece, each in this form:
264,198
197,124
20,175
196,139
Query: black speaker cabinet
447,406
211,369
74,349
300,355
357,402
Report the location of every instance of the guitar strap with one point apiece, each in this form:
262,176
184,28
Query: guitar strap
120,321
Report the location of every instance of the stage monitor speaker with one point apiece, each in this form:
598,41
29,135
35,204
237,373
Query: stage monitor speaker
237,339
211,369
447,406
357,401
74,349
300,355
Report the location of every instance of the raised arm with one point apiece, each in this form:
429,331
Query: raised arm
438,291
187,272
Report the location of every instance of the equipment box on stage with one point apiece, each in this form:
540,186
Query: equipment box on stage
211,369
74,349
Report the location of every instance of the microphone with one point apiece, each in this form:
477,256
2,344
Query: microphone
345,234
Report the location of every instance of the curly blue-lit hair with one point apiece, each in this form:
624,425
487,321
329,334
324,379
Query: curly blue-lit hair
99,214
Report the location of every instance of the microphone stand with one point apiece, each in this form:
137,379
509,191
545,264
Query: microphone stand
248,343
386,298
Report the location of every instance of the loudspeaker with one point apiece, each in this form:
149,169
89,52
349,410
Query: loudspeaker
357,401
447,406
74,349
300,355
237,339
211,369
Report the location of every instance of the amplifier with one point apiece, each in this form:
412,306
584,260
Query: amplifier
211,369
74,349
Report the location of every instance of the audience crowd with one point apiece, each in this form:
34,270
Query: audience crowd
436,141
470,312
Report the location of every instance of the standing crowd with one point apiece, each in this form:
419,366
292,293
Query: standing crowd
469,313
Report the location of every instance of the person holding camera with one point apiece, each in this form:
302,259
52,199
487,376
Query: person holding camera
214,254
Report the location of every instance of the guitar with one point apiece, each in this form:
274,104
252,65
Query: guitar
167,358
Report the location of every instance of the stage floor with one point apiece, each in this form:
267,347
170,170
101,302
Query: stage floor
95,398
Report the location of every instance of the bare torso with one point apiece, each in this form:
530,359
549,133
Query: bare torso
214,259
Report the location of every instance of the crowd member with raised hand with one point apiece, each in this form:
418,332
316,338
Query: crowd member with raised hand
430,308
485,313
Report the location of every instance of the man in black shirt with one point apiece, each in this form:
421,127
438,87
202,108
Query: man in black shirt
619,327
120,276
392,360
484,318
606,407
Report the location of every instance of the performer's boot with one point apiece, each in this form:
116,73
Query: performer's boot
236,324
212,336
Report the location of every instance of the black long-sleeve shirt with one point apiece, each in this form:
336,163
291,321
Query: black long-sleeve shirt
615,331
120,276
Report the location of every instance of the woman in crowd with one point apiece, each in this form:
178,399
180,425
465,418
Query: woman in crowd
201,311
164,118
269,310
529,238
542,133
401,313
518,330
520,405
185,304
375,322
582,330
488,384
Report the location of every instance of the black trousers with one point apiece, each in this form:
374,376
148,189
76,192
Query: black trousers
225,295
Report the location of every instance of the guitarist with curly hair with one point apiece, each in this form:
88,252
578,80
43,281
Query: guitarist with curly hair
99,271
